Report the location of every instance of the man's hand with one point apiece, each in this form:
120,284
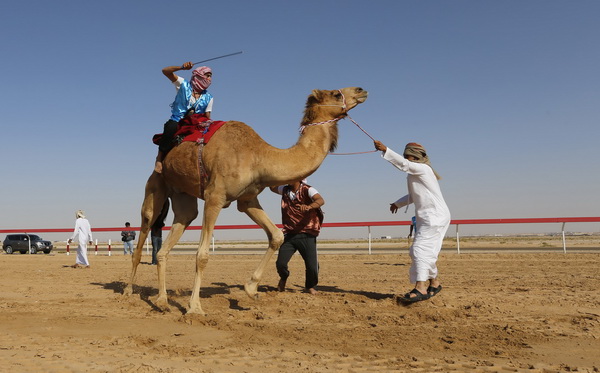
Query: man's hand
379,146
393,208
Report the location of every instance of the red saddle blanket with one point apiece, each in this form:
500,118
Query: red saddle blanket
195,127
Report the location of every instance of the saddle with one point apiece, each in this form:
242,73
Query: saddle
199,129
195,128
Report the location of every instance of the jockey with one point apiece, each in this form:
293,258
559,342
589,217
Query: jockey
192,96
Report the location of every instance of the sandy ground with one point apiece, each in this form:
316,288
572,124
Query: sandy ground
498,312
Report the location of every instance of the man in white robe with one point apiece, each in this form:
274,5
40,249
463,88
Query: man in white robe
432,217
83,232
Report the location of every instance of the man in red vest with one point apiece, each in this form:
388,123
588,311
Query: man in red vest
301,217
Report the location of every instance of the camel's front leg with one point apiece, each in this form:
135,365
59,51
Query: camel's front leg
256,213
185,210
212,208
155,200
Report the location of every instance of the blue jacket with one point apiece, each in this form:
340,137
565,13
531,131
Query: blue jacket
182,104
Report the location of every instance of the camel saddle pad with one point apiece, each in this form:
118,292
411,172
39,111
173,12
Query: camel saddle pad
195,128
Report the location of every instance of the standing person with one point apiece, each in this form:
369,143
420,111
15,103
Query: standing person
156,237
413,227
83,233
301,217
432,217
156,231
127,236
191,96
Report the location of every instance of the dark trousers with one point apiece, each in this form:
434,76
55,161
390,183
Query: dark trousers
166,141
156,245
306,244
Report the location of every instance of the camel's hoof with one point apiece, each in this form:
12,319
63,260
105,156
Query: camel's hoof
162,304
251,289
128,291
196,311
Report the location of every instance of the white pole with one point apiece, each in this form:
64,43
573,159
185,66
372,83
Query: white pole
457,240
29,242
96,247
563,236
213,243
369,239
109,252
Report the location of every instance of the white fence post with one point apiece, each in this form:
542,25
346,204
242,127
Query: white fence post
563,236
369,227
457,241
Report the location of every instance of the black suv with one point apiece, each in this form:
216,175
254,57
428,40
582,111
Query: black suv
21,242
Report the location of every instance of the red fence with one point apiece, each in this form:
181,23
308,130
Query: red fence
367,224
338,225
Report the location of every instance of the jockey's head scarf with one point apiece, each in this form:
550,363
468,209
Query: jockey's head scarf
418,151
200,81
80,214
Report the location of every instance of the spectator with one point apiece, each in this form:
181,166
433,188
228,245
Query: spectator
127,236
83,233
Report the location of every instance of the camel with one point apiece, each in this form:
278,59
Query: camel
240,165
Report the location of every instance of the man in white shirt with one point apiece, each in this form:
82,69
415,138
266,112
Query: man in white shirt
83,232
432,217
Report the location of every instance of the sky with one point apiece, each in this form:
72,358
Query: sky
504,95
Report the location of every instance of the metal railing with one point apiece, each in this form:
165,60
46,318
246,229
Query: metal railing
368,224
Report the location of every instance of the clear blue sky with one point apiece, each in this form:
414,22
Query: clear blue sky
503,94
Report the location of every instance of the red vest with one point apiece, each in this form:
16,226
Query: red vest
295,221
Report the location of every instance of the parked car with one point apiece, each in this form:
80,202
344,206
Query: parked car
22,242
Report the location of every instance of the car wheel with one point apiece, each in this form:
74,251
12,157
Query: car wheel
33,250
9,249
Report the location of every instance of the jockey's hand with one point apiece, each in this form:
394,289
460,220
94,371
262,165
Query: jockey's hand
187,66
393,208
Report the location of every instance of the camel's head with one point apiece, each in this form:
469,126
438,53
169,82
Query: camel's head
336,102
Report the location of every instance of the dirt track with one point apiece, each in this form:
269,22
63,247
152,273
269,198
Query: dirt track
532,312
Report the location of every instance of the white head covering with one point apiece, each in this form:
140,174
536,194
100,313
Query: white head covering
80,214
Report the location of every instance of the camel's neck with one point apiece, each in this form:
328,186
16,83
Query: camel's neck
304,158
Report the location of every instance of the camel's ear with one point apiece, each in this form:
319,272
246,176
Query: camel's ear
317,94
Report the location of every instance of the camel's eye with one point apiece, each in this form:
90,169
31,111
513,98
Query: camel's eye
337,95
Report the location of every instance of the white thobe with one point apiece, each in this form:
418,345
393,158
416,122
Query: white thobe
432,215
83,232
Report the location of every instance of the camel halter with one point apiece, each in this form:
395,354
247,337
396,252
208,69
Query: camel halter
343,106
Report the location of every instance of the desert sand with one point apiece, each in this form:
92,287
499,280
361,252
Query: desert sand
497,312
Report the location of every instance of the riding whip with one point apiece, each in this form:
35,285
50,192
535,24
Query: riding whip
216,58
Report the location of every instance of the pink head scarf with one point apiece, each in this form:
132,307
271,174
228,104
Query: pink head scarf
199,79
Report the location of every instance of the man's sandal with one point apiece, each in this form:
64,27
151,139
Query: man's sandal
433,291
407,299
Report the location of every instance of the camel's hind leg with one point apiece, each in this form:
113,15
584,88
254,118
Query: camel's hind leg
185,210
256,213
154,201
212,208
